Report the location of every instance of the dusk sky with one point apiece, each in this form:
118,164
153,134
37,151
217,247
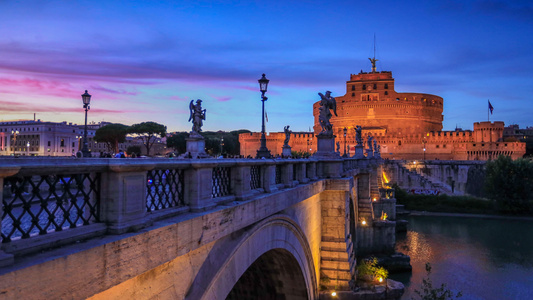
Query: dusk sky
145,60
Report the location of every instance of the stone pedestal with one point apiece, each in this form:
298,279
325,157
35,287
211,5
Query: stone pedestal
359,152
286,151
326,147
369,153
195,147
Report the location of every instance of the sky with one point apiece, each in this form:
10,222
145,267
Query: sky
146,60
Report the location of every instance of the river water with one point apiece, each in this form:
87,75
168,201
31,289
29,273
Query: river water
482,258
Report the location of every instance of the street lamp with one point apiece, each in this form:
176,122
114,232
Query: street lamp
263,150
345,131
86,98
14,133
28,147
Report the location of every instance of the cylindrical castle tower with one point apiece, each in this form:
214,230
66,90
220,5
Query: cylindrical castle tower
372,102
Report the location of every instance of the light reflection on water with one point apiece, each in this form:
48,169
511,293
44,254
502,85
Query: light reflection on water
483,258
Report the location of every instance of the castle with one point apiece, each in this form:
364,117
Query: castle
405,125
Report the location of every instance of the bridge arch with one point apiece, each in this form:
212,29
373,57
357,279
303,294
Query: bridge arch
273,250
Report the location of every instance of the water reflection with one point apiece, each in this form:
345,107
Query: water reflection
483,258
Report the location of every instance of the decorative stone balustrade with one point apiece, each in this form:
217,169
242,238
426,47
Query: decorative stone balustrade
49,202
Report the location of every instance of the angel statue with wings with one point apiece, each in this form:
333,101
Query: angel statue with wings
327,103
197,115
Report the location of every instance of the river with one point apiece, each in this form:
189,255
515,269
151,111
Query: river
483,258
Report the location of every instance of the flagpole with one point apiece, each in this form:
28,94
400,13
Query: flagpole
488,110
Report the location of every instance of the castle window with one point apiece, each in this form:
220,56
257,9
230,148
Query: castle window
353,94
386,85
375,86
353,87
444,146
364,86
437,146
397,99
386,92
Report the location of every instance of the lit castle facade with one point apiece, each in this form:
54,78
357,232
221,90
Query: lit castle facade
405,125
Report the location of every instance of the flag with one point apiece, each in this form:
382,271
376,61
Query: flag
490,108
266,116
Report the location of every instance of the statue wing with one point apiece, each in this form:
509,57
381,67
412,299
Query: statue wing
322,96
191,110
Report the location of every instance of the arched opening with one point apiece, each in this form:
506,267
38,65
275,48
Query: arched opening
274,275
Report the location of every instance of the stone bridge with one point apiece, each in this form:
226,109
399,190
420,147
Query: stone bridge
189,229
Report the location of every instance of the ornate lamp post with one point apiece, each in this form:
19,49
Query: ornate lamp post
86,98
14,133
263,150
345,131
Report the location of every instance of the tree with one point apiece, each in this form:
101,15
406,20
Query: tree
112,135
177,141
148,132
510,184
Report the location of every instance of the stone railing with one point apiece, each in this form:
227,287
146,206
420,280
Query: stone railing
49,202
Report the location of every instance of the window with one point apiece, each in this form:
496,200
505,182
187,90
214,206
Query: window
386,86
49,145
353,87
62,143
364,86
73,145
437,146
353,94
386,92
375,86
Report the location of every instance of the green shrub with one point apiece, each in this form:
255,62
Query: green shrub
509,183
369,267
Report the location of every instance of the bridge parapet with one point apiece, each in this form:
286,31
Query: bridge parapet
49,202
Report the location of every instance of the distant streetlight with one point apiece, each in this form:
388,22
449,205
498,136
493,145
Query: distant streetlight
14,133
28,147
263,150
86,98
345,131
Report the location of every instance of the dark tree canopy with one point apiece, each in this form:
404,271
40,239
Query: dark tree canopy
213,140
148,132
177,141
510,184
112,135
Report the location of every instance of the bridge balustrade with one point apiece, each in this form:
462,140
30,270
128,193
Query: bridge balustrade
52,202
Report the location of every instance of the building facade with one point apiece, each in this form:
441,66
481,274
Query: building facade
39,138
405,125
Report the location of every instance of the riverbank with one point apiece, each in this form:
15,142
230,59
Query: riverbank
467,215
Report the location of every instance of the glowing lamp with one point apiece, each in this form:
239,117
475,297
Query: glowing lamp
86,97
333,294
380,279
363,222
374,199
263,84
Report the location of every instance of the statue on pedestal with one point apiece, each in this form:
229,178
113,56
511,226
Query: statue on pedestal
358,137
369,142
338,147
287,135
327,103
197,115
